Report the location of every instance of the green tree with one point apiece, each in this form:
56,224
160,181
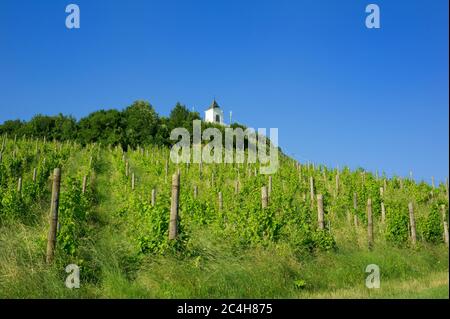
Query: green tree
141,122
106,127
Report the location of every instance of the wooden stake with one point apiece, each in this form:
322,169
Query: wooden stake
311,189
51,242
34,174
412,223
19,185
320,213
270,185
369,224
220,201
153,197
337,185
166,170
444,221
264,197
173,222
195,191
132,181
383,213
83,190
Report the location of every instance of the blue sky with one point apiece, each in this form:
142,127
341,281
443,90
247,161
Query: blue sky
339,93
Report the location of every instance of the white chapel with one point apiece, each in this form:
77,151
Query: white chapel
214,114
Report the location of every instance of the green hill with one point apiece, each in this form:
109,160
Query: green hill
236,249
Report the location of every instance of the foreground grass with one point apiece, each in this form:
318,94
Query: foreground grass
269,272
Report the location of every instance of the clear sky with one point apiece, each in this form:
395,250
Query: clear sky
339,93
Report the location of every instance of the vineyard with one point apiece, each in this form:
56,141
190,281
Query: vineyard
140,226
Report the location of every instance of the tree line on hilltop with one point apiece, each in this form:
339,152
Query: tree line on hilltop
137,124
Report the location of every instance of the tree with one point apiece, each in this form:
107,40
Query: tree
141,122
102,126
12,127
180,116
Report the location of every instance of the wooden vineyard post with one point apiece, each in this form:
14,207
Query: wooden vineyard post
174,207
432,182
83,190
320,213
195,191
264,197
166,170
355,220
220,201
311,189
132,181
412,223
127,168
270,186
369,224
337,185
19,185
34,174
384,185
444,221
51,242
153,197
236,187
